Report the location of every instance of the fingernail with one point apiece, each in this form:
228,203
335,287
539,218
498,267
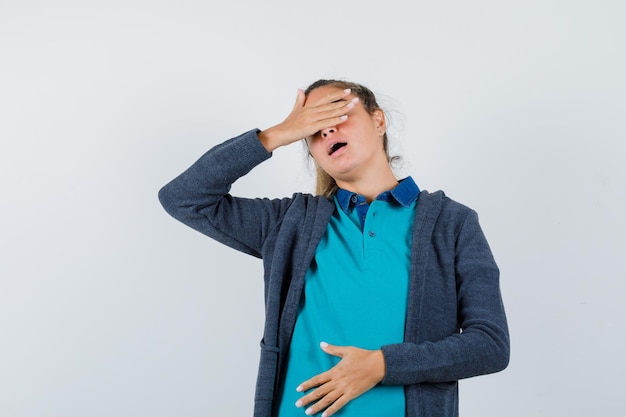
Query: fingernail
299,403
354,100
308,411
344,117
347,91
299,388
324,414
323,344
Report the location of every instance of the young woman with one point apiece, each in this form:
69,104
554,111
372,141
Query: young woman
379,297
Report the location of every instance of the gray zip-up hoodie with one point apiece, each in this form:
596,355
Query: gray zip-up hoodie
455,325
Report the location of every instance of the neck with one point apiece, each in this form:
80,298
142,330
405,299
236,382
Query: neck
371,183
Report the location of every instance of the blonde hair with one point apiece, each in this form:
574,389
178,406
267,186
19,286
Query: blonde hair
325,185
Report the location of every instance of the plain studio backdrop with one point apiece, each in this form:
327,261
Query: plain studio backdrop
109,307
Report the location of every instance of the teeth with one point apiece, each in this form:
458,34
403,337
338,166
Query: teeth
336,146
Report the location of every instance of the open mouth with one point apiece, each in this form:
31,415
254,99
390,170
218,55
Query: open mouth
335,147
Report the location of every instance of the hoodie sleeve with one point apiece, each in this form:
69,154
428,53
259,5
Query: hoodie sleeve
482,345
199,197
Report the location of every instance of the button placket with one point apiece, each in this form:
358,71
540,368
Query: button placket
370,222
370,240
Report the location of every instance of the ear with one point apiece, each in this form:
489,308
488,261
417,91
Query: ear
380,121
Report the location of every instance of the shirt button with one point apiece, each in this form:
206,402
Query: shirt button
354,199
371,233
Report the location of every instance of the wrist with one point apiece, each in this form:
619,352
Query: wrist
379,364
269,140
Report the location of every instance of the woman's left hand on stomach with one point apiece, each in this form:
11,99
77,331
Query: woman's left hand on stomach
358,371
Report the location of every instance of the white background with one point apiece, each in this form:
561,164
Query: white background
109,307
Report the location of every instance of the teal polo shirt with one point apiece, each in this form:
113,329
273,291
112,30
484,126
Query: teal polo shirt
355,294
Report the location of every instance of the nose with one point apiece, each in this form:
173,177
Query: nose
328,131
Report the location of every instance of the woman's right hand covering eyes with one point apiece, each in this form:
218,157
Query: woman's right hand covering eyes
308,118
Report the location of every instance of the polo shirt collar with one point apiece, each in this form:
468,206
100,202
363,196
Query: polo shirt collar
405,193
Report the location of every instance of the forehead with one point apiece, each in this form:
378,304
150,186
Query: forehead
324,91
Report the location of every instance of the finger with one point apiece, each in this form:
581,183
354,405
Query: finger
299,100
318,396
338,351
334,121
338,95
321,117
335,406
324,403
336,108
331,97
316,381
331,116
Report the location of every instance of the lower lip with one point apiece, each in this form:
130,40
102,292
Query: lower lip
338,152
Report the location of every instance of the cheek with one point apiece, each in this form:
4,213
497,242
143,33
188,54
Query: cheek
316,148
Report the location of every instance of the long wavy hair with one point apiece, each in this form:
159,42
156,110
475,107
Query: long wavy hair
325,184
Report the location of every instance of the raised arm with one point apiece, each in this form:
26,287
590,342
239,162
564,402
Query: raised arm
200,198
